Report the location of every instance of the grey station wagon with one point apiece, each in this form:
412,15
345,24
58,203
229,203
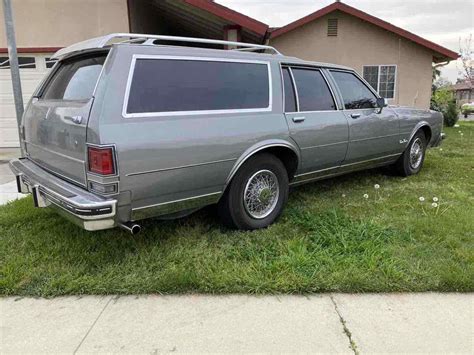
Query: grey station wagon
131,126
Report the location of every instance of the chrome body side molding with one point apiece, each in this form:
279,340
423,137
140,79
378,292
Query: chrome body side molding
167,208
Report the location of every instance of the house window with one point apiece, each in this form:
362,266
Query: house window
382,78
23,63
332,27
50,62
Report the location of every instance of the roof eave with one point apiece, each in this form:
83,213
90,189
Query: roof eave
443,53
230,15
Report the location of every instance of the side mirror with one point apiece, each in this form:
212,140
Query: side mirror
381,103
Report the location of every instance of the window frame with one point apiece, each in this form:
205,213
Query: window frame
131,72
295,87
378,77
363,82
282,67
23,67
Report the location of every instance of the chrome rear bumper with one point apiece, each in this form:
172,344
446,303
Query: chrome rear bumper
90,211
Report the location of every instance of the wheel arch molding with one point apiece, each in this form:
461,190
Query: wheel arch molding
425,127
284,150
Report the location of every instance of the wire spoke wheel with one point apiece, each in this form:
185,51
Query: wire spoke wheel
261,194
416,153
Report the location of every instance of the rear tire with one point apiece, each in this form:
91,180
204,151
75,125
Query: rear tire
412,159
256,195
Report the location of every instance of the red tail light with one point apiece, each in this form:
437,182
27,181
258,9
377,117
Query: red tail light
101,160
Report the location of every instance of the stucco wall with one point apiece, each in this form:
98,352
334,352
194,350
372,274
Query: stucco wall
58,23
359,43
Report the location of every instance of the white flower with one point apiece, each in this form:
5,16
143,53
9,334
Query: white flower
462,134
440,149
366,196
434,205
376,186
460,131
435,199
343,195
421,198
456,125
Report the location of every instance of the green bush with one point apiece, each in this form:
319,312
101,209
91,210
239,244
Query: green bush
443,101
451,114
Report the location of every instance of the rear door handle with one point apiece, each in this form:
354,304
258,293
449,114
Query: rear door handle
355,115
298,119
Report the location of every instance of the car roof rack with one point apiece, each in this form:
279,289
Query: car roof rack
144,39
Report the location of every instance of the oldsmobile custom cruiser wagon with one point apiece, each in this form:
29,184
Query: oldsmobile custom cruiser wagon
127,127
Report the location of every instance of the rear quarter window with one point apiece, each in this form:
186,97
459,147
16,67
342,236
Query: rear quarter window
182,85
74,79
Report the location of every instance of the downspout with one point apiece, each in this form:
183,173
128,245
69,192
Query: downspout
266,37
398,69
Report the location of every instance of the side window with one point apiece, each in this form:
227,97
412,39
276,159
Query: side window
290,96
354,92
176,85
313,91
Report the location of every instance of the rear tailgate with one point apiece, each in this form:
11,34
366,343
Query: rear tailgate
55,122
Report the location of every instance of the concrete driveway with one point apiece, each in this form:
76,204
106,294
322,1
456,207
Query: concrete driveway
337,323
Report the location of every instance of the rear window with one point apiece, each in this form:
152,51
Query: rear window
75,79
171,85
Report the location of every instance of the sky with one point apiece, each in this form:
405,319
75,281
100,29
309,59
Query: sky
441,21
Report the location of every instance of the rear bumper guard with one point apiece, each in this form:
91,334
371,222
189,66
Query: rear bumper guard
90,211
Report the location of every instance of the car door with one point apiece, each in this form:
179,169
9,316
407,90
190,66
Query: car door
374,133
315,123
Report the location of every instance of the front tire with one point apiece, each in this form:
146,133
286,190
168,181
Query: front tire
412,159
256,195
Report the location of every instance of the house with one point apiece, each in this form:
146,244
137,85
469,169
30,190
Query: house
397,63
463,92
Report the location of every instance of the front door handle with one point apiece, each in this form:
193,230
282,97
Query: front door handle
355,115
298,119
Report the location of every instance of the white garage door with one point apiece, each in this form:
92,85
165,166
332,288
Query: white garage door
33,68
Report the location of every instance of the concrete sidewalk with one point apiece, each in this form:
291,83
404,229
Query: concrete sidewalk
339,323
8,189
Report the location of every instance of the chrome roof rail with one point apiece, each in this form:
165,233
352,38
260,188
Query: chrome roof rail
120,38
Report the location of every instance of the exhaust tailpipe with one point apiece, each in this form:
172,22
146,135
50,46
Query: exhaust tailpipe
132,228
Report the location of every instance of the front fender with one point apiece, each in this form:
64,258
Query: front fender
416,129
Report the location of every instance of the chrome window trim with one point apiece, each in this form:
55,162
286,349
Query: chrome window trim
308,67
135,57
297,96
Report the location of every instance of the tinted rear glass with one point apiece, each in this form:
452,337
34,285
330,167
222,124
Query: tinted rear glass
75,79
164,85
313,92
290,98
354,92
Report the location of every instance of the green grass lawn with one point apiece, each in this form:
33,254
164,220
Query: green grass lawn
330,238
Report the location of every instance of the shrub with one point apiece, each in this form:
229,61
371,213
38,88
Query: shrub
451,114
